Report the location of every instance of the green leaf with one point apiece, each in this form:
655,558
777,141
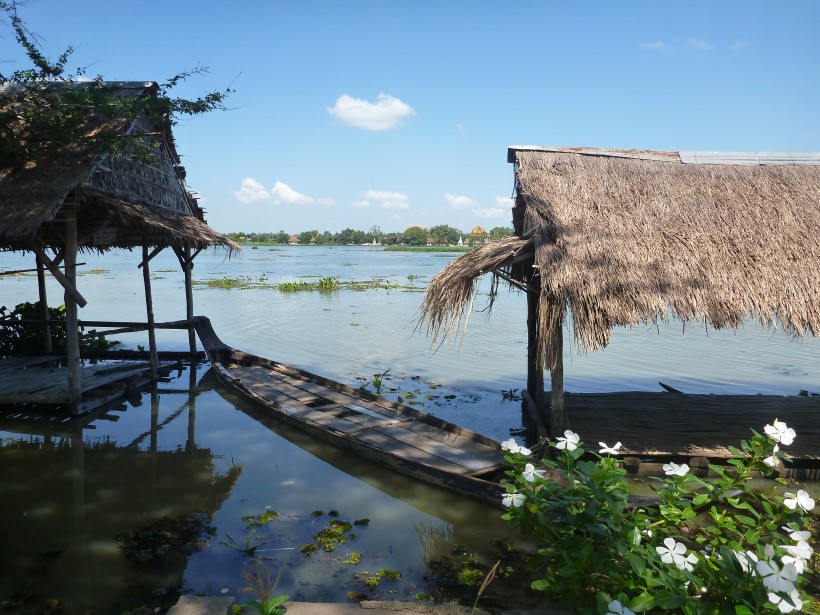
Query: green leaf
540,585
642,602
700,499
668,599
637,563
742,609
752,537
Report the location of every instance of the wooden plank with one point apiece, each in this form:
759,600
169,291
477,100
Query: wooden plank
320,417
407,451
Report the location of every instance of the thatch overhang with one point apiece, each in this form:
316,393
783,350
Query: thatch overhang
624,237
120,201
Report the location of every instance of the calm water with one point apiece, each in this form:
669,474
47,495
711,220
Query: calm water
192,447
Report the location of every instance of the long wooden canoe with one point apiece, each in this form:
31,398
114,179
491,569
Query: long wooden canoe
395,435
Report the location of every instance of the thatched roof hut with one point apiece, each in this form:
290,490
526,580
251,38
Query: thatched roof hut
623,237
72,197
119,201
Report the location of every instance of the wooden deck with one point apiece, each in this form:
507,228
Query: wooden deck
39,380
368,422
671,425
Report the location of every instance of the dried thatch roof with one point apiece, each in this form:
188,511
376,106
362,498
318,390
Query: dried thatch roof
625,237
120,201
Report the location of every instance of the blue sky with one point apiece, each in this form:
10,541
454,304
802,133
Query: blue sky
389,113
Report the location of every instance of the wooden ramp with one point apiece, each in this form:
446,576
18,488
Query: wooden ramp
675,424
41,381
370,423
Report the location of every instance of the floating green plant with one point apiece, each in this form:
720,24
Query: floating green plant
265,517
353,558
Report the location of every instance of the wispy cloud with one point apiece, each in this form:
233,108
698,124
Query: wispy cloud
504,201
737,45
458,201
384,114
491,213
386,199
700,44
361,203
655,46
252,191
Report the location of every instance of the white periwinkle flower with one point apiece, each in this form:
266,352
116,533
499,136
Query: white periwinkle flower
776,579
616,608
675,553
530,473
513,500
793,603
772,460
568,441
513,447
612,450
798,555
780,432
797,534
747,561
802,500
673,469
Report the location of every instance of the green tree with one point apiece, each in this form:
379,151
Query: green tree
499,232
444,234
415,235
306,236
45,107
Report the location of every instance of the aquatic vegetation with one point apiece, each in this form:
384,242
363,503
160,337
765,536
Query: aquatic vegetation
361,522
708,546
328,284
353,558
167,537
309,548
259,584
251,544
266,517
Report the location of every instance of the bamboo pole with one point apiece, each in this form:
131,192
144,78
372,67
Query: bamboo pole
72,329
149,308
44,316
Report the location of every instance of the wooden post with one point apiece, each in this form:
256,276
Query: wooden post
558,418
44,315
72,329
535,374
149,307
189,298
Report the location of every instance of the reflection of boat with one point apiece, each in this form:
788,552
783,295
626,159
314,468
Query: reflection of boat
397,436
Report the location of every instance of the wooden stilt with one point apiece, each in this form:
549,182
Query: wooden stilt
558,418
535,374
44,316
149,308
72,332
189,298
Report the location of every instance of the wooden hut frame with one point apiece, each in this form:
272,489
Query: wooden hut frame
607,238
75,201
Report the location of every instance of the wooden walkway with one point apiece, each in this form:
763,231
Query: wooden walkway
40,380
670,424
370,422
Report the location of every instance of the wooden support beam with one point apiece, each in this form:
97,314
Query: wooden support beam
149,308
146,258
67,283
72,329
535,373
558,417
41,287
186,261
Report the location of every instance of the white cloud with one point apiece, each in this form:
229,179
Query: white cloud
699,44
655,45
491,213
252,191
458,201
386,199
282,193
386,113
737,45
326,201
361,203
505,201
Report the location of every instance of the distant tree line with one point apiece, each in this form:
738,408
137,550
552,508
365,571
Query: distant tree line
411,236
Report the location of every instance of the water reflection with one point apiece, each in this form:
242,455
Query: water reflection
80,521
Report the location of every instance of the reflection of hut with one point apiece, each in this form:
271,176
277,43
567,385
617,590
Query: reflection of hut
72,200
625,237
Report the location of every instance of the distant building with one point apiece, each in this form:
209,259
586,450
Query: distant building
294,240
